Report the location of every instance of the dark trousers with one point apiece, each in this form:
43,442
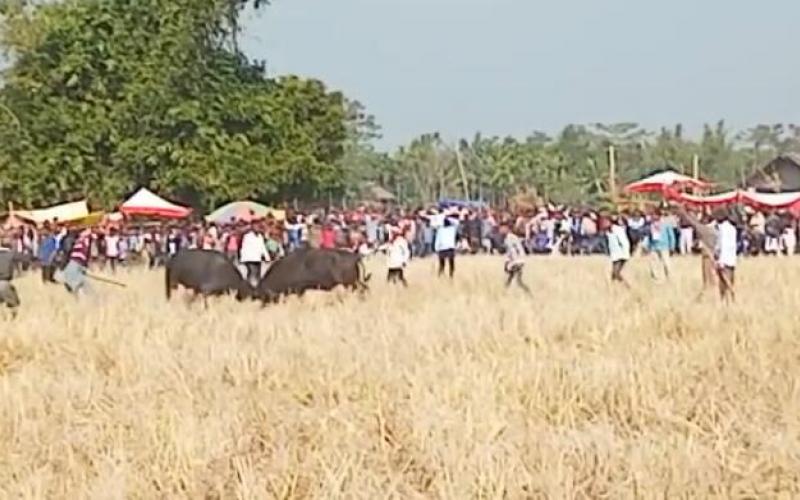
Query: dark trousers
395,275
112,261
253,272
48,273
514,273
449,257
616,270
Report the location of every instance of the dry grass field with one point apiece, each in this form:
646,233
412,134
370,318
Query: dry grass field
457,391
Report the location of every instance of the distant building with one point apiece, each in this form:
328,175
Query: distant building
780,175
373,193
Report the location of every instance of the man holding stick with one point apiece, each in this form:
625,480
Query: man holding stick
725,255
719,258
75,272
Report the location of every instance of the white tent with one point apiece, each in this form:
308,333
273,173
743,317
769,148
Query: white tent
145,202
65,212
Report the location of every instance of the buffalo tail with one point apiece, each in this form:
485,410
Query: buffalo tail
168,281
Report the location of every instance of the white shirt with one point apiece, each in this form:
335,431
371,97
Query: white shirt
619,247
437,220
112,246
726,244
445,238
515,254
398,254
254,248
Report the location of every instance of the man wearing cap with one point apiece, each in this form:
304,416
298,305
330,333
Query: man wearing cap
8,294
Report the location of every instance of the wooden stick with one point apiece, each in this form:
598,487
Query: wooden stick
704,235
106,280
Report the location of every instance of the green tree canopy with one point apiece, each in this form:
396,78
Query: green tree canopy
105,95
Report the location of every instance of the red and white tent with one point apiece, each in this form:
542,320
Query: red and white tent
704,201
658,182
773,201
145,202
759,201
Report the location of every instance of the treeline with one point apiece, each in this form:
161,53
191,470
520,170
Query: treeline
572,166
102,96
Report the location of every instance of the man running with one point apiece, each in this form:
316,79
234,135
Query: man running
515,255
75,278
661,242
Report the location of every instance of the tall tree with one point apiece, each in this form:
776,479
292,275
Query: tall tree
111,94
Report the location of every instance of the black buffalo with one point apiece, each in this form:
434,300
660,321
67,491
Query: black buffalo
312,269
205,272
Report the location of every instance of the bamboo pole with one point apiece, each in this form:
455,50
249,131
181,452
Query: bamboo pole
463,173
612,174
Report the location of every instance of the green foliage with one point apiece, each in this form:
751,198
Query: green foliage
106,95
572,167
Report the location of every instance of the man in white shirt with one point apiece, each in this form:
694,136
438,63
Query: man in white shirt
252,253
112,248
725,255
619,248
445,245
398,255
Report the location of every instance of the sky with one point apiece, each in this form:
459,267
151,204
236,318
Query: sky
514,66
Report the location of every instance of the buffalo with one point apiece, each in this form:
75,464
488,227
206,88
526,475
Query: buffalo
207,273
312,269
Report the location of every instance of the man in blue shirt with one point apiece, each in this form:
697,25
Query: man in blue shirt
660,243
47,254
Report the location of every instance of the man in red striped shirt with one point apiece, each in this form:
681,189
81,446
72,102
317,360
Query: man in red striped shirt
75,272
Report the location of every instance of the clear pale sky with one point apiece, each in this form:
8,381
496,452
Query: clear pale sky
513,66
